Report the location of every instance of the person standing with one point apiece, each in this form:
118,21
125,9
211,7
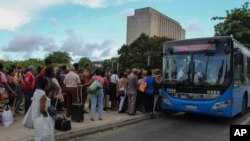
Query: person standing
140,94
50,74
47,63
20,79
39,106
149,93
113,89
85,79
132,91
4,85
60,74
157,89
58,96
12,81
29,86
97,97
122,86
105,91
71,81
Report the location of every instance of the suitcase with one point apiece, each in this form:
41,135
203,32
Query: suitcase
77,113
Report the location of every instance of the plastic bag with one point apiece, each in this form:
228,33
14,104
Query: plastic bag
7,116
94,87
27,120
44,128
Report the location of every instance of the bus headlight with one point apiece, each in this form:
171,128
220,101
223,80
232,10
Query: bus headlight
222,104
167,101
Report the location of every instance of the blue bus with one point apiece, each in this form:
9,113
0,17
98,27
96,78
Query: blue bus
207,76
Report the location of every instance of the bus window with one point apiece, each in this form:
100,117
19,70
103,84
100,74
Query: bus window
238,62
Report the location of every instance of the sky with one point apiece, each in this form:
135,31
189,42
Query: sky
92,28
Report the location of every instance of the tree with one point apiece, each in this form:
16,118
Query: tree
83,61
110,63
25,63
59,57
107,63
137,53
236,23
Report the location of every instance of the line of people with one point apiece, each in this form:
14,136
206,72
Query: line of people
124,90
121,90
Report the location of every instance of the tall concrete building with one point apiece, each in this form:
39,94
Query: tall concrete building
152,23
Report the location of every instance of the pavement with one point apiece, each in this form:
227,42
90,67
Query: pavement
112,119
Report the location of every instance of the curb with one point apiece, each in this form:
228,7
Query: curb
83,132
87,131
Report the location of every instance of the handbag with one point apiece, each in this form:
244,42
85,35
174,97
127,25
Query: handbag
143,86
27,120
62,124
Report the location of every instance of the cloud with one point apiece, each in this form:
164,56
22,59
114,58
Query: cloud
106,52
95,50
2,56
73,43
28,42
15,13
12,19
54,21
50,45
194,26
101,3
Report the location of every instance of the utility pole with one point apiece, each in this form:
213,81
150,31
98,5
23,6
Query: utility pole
149,59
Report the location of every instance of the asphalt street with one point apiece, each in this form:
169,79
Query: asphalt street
174,127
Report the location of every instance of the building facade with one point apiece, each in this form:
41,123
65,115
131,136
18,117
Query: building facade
152,23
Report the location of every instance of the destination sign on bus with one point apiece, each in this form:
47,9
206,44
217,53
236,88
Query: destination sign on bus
194,47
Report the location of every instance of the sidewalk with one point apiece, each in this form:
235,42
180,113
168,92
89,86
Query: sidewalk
111,120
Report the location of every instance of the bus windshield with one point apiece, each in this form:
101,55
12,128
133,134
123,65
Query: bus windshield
201,67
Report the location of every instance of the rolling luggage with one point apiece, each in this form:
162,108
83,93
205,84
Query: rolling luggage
78,108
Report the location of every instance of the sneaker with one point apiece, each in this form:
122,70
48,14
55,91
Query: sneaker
100,118
92,119
84,111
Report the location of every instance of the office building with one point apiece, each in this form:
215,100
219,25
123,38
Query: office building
152,23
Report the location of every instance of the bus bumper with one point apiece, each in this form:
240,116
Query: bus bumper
212,107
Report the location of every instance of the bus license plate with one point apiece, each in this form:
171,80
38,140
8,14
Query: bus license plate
191,107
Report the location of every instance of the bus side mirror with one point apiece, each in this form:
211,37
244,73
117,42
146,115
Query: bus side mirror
238,58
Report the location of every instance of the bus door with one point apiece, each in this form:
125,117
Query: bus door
238,82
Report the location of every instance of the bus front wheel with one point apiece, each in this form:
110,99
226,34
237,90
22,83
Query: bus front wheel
244,105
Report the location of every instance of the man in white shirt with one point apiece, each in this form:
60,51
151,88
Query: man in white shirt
71,81
113,86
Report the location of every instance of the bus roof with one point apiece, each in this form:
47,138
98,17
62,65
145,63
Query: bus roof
169,43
